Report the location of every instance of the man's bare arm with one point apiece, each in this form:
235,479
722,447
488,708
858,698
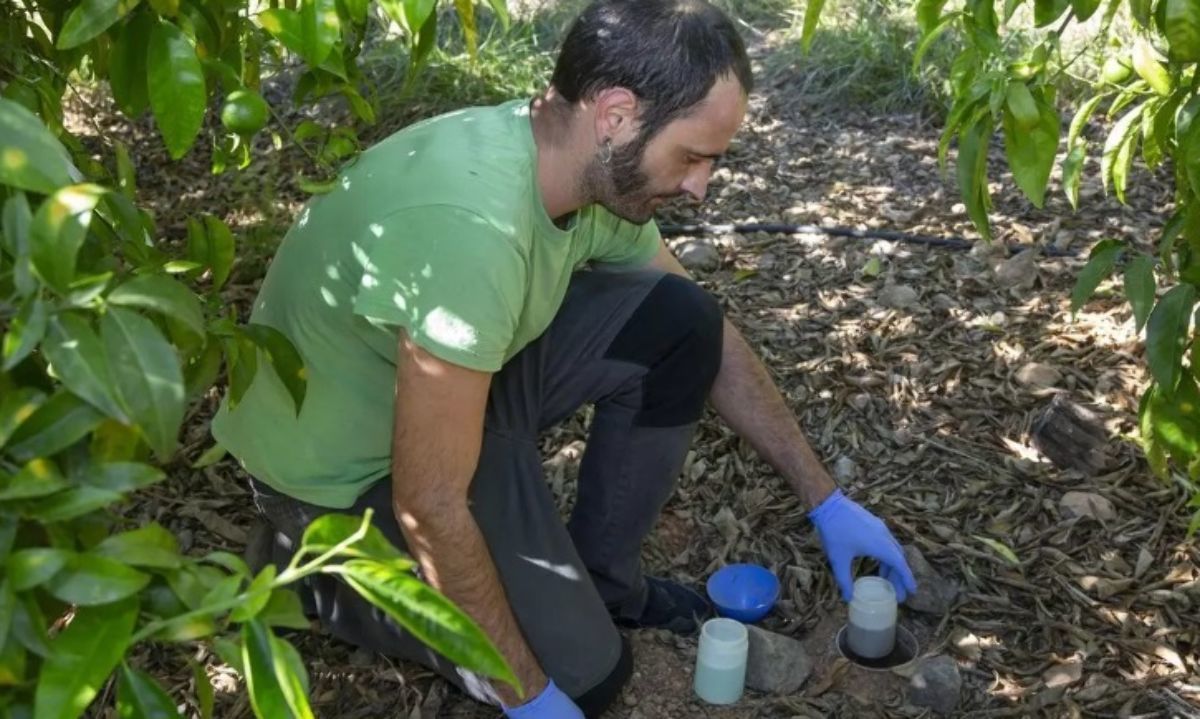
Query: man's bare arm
439,427
748,400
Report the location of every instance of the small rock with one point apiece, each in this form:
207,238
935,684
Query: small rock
966,644
1038,375
936,684
776,664
1062,675
844,469
698,256
958,208
935,594
1087,504
897,296
1019,271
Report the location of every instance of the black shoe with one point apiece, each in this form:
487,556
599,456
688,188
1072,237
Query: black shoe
670,606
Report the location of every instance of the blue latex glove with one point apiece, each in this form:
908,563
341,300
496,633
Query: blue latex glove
848,531
550,704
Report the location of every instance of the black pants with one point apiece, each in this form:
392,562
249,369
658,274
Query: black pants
644,347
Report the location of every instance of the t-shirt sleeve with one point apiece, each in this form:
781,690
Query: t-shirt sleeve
449,278
622,243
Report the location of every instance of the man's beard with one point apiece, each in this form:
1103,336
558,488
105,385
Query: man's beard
620,185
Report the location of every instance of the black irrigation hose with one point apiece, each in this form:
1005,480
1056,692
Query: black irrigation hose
952,242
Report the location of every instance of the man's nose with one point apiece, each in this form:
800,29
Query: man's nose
696,182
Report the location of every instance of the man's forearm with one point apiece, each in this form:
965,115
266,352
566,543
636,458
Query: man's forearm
750,403
455,559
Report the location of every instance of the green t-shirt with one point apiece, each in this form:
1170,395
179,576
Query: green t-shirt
439,229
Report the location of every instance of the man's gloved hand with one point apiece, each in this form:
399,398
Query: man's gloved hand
848,531
550,704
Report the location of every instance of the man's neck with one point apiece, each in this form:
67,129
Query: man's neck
559,163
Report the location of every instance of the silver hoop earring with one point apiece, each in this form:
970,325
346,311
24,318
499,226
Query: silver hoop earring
606,153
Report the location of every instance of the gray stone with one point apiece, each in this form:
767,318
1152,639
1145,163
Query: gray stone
698,256
1019,271
897,296
844,469
1087,504
935,594
777,664
936,684
1037,375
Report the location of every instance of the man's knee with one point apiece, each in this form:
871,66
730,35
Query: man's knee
676,334
594,701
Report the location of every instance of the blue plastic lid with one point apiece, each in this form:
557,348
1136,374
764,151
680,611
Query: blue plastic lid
743,591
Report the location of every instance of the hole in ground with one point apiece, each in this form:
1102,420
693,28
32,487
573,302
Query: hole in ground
903,652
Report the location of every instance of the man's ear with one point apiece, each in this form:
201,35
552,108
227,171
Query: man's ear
616,115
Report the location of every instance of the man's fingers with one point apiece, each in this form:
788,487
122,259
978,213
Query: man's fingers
890,574
902,576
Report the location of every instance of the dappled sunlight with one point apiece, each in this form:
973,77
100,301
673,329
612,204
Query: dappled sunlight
566,571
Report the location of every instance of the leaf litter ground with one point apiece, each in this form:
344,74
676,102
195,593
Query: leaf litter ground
917,373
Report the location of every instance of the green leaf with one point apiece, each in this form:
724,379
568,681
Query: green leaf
1167,334
1147,65
84,654
37,478
1000,548
1183,29
500,8
812,16
284,26
1099,265
140,697
289,660
320,28
332,529
274,690
58,231
148,377
929,14
121,476
8,607
283,358
1047,11
90,18
1141,11
29,626
416,14
17,220
12,669
178,95
972,172
28,568
70,504
127,74
212,245
1173,422
158,293
90,579
1081,118
428,615
284,609
77,356
357,10
257,596
423,45
204,690
241,359
1152,149
1072,171
1084,9
1140,287
466,18
1118,151
30,157
25,332
150,546
57,424
930,38
1031,150
1021,105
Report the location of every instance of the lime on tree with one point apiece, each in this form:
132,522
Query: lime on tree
244,112
1116,70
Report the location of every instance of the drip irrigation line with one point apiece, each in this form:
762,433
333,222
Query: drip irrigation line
951,242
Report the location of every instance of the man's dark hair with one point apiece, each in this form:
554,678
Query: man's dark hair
667,52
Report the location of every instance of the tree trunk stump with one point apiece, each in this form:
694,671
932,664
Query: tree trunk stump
1071,436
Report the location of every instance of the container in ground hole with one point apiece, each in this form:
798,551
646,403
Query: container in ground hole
871,631
721,661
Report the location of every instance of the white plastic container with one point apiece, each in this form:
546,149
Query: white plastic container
871,631
721,661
